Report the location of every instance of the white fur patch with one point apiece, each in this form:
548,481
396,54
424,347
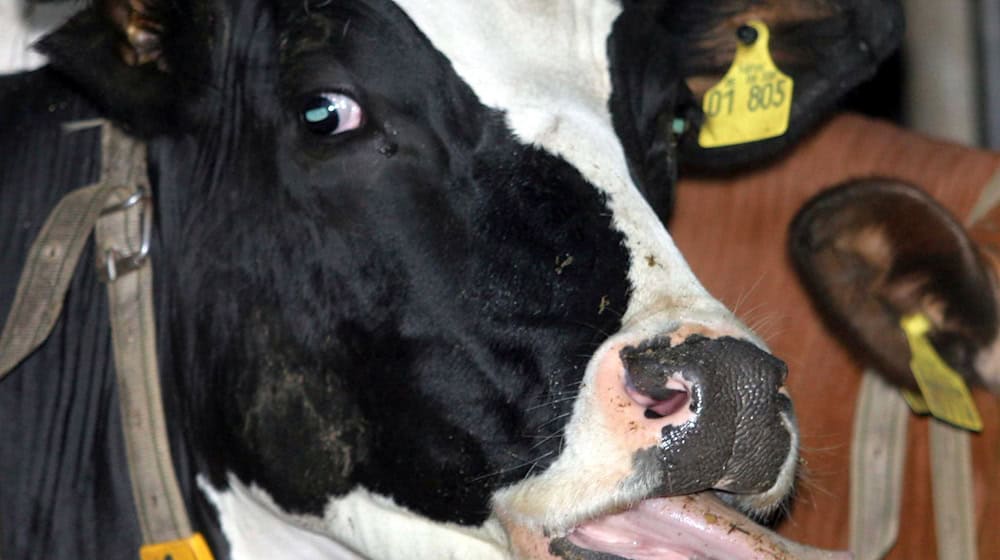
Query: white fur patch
257,529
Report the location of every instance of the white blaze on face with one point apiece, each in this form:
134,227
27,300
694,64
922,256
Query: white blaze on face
544,64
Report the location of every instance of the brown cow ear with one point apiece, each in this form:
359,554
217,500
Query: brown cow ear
826,46
137,60
873,251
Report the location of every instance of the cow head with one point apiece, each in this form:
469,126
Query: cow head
414,272
875,250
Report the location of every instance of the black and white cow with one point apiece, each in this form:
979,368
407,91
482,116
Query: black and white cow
414,300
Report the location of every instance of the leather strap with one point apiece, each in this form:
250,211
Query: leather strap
119,210
47,273
120,233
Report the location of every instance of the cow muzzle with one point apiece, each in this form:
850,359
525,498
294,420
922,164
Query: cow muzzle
664,427
701,413
714,408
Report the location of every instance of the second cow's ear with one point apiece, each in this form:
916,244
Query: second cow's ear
873,251
826,46
138,60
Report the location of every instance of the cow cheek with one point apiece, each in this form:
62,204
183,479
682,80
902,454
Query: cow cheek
305,436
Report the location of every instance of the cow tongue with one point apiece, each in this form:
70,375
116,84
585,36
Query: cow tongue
688,527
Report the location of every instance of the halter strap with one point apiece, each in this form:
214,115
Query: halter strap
118,209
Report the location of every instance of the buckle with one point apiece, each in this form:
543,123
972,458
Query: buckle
116,263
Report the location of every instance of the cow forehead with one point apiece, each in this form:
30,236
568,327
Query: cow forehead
520,56
541,62
544,64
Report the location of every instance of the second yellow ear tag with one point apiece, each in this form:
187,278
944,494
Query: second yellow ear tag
916,401
753,100
943,389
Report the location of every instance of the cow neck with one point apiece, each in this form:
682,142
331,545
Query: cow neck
118,210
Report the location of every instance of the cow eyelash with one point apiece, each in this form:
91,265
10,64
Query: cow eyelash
330,113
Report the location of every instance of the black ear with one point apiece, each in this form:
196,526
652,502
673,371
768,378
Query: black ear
873,251
137,60
646,96
826,46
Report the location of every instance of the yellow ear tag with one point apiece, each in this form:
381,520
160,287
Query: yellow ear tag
191,548
943,389
752,101
916,401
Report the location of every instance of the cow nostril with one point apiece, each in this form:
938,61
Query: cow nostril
674,401
666,402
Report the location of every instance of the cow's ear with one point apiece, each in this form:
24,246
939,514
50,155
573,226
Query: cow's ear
138,60
826,46
873,251
646,95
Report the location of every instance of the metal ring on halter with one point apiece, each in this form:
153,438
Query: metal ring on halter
133,199
117,264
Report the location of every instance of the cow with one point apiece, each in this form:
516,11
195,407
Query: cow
414,297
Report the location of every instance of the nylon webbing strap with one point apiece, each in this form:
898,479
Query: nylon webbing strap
118,210
877,460
954,516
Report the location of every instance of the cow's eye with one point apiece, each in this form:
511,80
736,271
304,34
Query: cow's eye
331,113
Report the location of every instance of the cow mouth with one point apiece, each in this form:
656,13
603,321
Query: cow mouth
697,526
